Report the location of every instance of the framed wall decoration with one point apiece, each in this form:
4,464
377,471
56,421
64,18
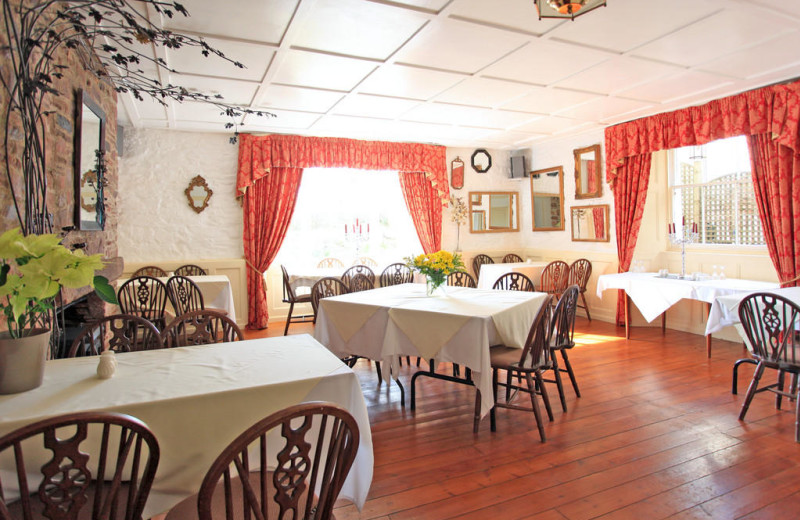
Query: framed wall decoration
457,173
198,194
588,172
481,160
590,223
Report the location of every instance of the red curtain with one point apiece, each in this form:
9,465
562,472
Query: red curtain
268,209
426,212
599,218
630,192
776,180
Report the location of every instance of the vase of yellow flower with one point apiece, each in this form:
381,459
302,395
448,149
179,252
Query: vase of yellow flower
436,267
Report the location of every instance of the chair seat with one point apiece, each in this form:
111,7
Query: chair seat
86,513
507,358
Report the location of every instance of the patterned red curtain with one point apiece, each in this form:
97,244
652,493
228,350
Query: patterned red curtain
426,212
592,185
630,192
268,208
776,180
599,217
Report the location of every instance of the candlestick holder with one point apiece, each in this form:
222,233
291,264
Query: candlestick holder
356,234
689,236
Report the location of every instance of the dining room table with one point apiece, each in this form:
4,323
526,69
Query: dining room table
401,320
491,272
198,399
216,290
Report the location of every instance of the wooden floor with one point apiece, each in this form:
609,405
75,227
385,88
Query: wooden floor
655,435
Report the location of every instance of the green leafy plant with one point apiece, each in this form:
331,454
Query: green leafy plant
33,269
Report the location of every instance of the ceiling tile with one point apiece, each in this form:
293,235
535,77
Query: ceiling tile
512,137
549,125
254,57
408,82
544,62
194,111
773,55
617,74
233,91
518,14
465,116
309,69
296,98
458,46
357,28
604,108
668,89
147,108
374,106
709,39
254,20
431,5
483,92
548,100
284,119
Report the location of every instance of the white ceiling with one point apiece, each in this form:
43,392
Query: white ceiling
467,72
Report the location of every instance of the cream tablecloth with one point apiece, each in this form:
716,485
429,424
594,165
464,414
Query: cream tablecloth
196,400
400,320
491,272
653,295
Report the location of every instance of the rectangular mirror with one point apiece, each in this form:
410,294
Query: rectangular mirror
493,211
89,165
547,194
588,174
590,223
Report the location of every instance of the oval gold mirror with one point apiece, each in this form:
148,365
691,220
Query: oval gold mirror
198,193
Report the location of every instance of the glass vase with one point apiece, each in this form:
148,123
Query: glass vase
434,287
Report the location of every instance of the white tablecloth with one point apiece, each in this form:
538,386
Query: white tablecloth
653,295
400,320
196,400
491,272
216,290
725,309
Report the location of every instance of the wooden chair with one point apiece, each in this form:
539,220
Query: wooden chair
327,263
769,322
529,363
292,298
202,327
396,274
117,332
365,260
312,447
461,279
325,287
184,295
190,270
360,282
561,339
514,282
144,296
98,465
150,270
579,273
478,261
554,278
511,258
358,269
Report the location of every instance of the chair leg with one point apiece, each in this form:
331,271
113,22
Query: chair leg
288,319
559,383
380,374
735,384
535,405
796,413
543,390
586,307
571,374
781,381
492,417
476,419
508,385
751,390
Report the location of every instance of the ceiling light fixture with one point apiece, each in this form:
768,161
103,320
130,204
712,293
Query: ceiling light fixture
566,8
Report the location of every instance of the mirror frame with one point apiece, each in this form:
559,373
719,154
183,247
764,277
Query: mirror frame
486,219
548,171
457,173
475,154
579,194
606,209
98,224
198,181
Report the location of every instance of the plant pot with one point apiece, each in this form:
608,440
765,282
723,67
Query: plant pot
22,361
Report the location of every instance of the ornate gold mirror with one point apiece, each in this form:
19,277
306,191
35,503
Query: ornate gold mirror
198,193
547,194
588,172
590,223
89,164
493,211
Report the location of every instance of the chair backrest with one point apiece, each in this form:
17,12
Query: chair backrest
511,258
117,332
330,263
579,273
316,444
202,327
289,295
190,270
564,318
769,323
535,353
365,260
325,287
184,295
478,261
150,270
554,277
100,465
461,279
358,269
396,274
514,281
144,296
360,282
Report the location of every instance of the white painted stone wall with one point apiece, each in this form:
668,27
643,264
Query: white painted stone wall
156,222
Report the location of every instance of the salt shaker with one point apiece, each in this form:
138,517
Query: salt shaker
107,365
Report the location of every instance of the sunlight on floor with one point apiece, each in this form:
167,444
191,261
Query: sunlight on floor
592,339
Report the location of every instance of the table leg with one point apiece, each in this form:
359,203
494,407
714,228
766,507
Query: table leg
664,322
708,336
627,316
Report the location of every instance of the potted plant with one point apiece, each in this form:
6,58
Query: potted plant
33,269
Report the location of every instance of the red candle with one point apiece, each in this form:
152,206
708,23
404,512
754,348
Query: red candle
345,229
683,222
367,227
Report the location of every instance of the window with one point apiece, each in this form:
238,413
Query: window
330,199
711,186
